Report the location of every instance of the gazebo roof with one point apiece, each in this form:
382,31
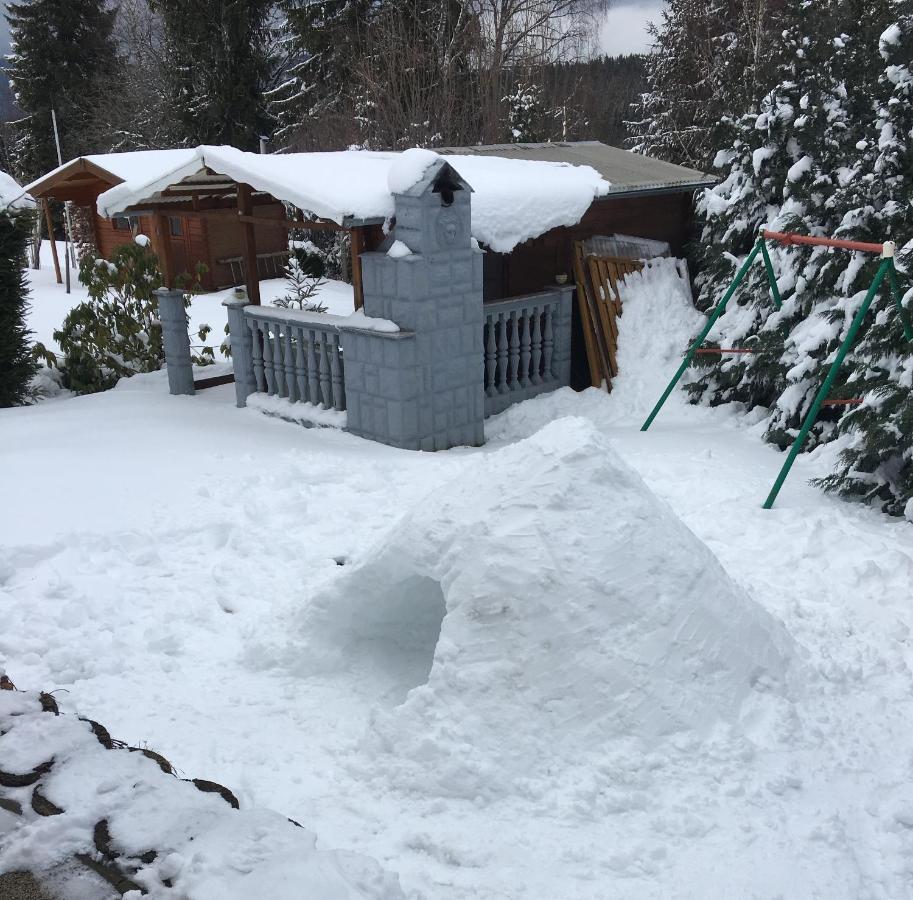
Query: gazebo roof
513,201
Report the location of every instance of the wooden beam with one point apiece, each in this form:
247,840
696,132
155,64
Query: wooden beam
50,224
161,236
356,237
290,224
245,209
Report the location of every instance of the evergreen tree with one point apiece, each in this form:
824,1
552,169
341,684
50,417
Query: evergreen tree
219,63
16,364
60,59
787,168
877,464
710,61
323,41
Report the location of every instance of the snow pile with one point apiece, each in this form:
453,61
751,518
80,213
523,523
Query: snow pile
13,195
68,795
572,606
513,200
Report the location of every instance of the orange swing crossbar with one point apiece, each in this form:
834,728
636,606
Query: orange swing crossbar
781,237
713,351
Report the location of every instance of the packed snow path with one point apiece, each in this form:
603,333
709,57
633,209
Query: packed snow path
156,550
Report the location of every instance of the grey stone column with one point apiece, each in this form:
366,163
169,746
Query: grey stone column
422,389
242,358
175,340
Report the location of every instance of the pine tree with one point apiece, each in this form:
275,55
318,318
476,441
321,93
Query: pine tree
710,60
787,168
323,41
61,57
219,62
16,364
877,464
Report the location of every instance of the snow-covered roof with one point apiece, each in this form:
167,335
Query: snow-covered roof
120,166
513,200
12,194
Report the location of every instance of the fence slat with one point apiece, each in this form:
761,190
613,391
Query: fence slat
548,343
288,357
502,354
301,371
491,362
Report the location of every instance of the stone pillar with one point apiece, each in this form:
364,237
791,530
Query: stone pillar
175,340
425,390
241,338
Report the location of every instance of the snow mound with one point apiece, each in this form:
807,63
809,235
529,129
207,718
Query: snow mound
409,168
13,195
68,796
542,604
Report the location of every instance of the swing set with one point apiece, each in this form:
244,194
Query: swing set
885,270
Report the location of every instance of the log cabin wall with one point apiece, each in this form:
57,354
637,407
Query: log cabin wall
534,264
225,241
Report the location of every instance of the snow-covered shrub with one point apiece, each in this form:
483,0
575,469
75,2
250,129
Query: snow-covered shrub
116,333
16,364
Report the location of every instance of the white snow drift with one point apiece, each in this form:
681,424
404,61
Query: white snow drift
568,616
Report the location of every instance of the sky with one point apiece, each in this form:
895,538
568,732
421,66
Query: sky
625,27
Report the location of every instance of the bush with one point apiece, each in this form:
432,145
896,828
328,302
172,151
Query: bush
16,364
116,333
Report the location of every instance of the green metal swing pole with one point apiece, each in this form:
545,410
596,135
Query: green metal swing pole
771,279
689,356
887,265
898,300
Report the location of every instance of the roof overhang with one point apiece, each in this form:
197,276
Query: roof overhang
74,180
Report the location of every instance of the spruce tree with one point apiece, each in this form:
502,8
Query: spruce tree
16,364
710,60
877,463
792,177
323,41
219,64
60,59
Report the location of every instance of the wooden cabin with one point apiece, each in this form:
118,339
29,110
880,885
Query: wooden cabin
252,201
181,241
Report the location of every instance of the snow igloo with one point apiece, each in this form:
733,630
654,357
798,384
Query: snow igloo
544,601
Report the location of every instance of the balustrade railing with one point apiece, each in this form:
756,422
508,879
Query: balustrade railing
526,347
297,355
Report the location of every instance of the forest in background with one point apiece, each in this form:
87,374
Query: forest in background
326,75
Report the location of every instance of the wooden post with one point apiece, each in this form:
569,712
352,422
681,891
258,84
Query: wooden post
162,237
356,238
50,223
252,276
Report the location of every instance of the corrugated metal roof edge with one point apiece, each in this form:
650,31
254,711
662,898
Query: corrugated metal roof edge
675,187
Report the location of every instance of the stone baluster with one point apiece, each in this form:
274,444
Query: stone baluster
278,364
336,372
288,357
524,347
257,351
325,382
490,358
548,343
301,370
536,378
514,352
242,345
268,369
313,371
502,354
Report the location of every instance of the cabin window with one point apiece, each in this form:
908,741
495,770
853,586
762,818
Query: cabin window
121,223
175,226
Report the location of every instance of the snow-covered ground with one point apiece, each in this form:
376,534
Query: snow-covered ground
50,302
609,711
